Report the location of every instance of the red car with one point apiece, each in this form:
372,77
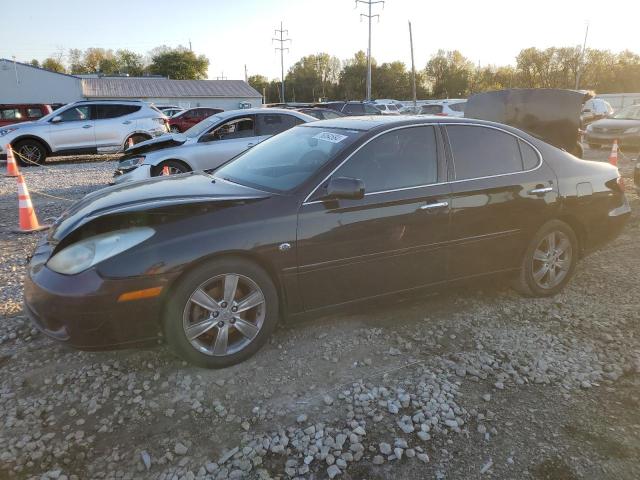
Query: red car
24,112
183,121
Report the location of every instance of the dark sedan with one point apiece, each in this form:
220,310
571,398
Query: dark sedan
323,215
623,126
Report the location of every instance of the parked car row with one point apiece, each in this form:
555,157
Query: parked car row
319,214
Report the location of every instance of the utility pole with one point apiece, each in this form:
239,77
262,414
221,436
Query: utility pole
584,48
413,69
190,49
369,16
282,48
246,78
221,77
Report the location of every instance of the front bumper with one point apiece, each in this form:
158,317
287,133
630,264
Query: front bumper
83,310
624,140
141,172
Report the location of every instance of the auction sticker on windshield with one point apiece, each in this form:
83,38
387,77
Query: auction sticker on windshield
330,137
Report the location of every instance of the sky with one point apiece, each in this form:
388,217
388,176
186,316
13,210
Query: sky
235,33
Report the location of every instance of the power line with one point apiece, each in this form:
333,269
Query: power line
369,16
282,48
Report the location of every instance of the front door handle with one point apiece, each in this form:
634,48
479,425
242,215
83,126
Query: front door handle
86,126
434,206
540,191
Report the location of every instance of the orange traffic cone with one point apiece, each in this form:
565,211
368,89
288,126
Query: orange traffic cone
28,220
613,156
12,166
165,170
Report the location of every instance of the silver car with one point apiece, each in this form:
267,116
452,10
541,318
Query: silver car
83,127
206,145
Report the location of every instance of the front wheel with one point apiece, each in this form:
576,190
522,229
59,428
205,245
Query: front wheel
549,261
30,152
221,313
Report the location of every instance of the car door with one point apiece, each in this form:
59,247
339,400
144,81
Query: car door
394,238
113,123
223,142
501,192
75,130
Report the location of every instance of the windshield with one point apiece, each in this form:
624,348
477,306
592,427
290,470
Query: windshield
202,126
285,161
629,113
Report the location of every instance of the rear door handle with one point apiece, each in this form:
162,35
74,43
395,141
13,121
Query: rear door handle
434,206
540,191
86,126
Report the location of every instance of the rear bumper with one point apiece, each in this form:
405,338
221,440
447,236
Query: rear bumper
610,227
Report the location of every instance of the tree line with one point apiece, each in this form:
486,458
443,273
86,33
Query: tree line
178,63
449,74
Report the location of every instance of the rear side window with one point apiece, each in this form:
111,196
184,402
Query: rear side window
10,114
457,107
370,109
431,109
399,159
272,123
104,112
529,156
483,152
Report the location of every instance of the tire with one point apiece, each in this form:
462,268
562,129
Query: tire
31,149
175,167
174,129
213,278
594,146
527,281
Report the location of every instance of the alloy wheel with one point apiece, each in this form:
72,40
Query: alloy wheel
224,314
31,152
552,260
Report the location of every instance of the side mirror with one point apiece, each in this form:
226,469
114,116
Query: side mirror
344,187
56,119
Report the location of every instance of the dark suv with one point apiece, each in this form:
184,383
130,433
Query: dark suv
351,108
22,112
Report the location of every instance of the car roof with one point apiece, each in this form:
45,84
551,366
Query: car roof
251,111
369,122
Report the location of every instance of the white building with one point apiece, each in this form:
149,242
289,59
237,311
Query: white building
23,83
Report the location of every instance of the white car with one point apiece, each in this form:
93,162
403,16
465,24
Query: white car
388,106
100,126
206,145
445,108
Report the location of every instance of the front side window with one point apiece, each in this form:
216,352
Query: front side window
483,152
77,113
356,108
283,162
236,128
34,112
371,110
398,159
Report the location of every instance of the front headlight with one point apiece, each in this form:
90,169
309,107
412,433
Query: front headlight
5,131
131,162
86,253
632,130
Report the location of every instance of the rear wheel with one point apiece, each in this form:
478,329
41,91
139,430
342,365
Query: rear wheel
221,313
30,152
173,167
549,261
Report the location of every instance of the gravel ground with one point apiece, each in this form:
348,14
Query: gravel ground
475,382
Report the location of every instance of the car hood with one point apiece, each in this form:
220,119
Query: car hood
23,124
150,195
158,143
616,123
553,115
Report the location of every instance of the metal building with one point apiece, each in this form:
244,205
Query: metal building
23,83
